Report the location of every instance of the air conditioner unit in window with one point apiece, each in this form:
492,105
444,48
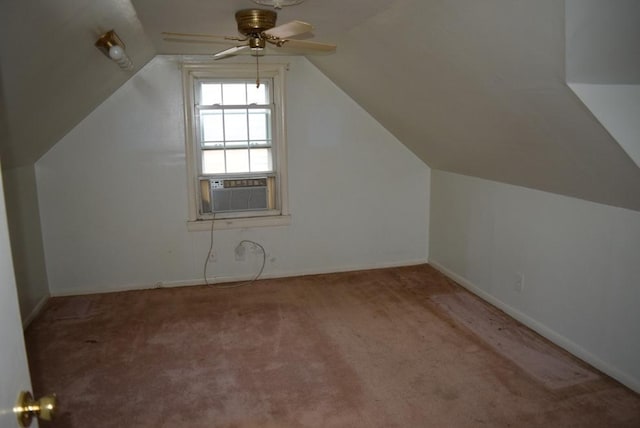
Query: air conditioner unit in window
240,194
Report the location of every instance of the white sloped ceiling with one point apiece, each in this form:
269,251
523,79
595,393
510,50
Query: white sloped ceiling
472,87
51,73
478,88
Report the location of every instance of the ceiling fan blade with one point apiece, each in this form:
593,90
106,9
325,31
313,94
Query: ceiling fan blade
171,35
306,46
199,38
229,52
196,41
289,29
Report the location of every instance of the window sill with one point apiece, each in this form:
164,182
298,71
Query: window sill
239,223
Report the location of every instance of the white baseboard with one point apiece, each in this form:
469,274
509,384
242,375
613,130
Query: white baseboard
225,279
35,311
543,330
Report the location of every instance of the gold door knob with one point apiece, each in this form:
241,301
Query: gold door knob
26,408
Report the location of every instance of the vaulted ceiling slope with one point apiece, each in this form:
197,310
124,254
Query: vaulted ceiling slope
476,88
51,74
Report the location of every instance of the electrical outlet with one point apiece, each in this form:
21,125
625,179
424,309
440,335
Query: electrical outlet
519,283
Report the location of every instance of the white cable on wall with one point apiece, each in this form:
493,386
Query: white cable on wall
206,261
251,281
244,241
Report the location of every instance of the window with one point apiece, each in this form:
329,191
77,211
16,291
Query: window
234,126
235,142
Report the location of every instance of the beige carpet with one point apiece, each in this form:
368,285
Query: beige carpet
401,347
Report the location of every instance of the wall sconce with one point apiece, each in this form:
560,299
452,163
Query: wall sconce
111,45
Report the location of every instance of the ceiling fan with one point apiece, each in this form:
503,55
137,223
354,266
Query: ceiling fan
258,29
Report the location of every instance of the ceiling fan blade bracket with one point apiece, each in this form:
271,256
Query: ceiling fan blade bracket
273,39
277,41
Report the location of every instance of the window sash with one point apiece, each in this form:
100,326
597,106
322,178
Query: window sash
256,145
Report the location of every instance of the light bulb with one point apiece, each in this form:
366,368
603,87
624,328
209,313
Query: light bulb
116,52
111,45
120,57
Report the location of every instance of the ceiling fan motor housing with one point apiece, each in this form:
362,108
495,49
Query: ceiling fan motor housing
255,21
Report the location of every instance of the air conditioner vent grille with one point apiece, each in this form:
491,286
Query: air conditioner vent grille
238,194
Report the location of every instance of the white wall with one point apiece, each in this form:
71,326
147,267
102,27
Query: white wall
580,260
26,239
113,192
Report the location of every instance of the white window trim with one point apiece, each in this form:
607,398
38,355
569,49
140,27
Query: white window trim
281,217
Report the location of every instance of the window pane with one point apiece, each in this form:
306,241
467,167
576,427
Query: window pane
213,161
259,121
258,95
260,160
234,93
237,160
210,93
235,125
212,129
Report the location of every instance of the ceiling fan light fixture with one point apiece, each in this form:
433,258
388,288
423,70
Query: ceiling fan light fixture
257,44
278,4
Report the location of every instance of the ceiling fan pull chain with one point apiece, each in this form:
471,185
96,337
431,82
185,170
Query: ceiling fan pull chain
257,72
